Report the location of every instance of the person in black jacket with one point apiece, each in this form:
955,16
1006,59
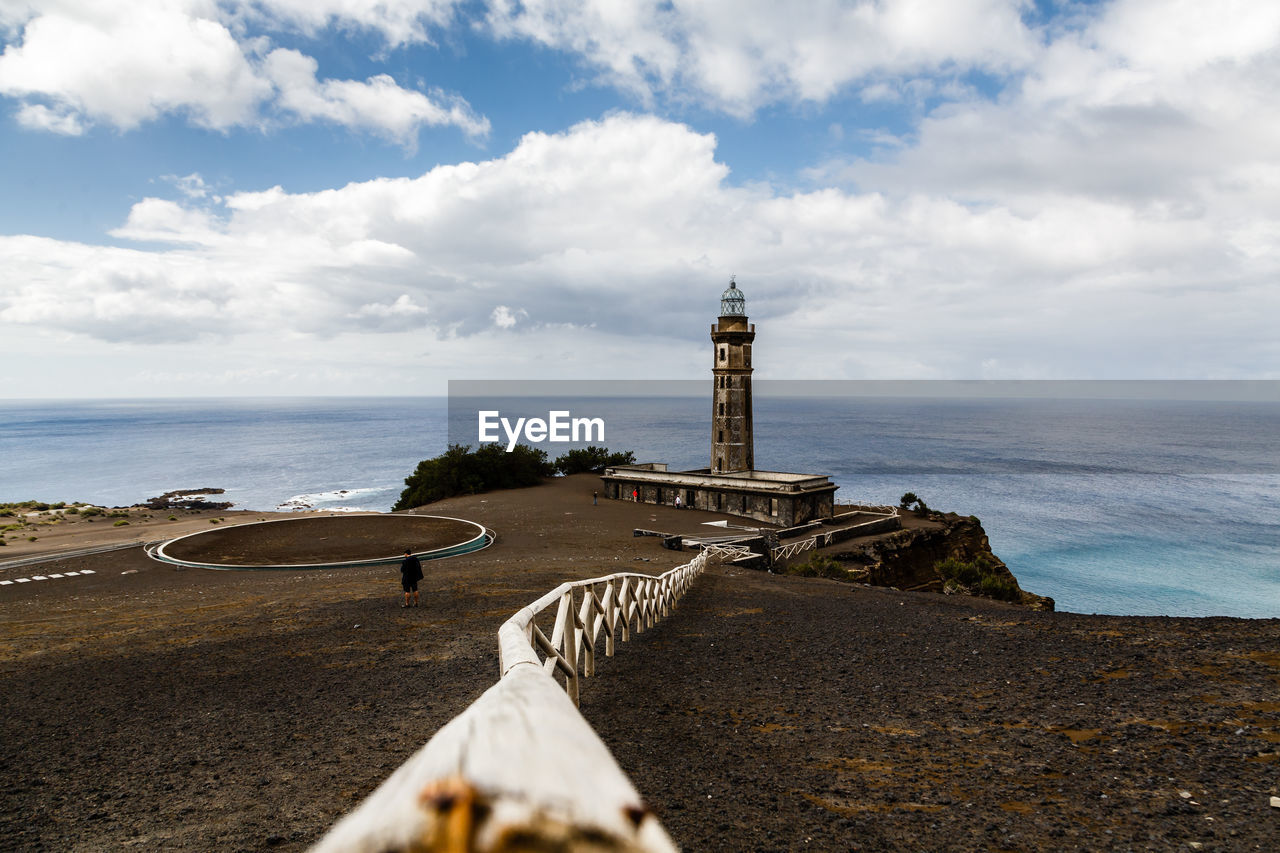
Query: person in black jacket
410,574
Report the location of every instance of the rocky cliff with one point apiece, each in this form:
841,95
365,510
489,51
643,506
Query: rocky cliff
935,551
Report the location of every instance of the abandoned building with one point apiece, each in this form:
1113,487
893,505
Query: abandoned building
731,484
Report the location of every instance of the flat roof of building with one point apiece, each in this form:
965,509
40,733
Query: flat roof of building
762,481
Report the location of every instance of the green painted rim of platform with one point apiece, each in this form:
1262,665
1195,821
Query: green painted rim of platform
481,540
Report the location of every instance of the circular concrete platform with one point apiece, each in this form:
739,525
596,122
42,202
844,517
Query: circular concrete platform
316,542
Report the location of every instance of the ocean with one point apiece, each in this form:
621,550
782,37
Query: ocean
1141,507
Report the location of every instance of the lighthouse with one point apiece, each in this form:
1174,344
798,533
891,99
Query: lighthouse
732,447
730,484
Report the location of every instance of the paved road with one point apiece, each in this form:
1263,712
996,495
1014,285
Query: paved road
62,555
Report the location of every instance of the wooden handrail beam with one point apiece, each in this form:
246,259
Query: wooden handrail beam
521,762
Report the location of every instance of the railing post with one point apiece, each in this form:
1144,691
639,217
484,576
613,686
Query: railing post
586,635
624,607
570,647
610,612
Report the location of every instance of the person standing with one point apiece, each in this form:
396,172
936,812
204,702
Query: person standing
595,494
410,574
635,495
677,502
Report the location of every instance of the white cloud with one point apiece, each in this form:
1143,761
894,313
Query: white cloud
113,295
504,318
738,55
401,314
376,103
192,186
398,21
1152,104
125,64
40,117
163,221
128,63
624,231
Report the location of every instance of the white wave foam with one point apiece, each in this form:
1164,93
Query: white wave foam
314,500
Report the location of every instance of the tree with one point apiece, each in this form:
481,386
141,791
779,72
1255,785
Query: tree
910,498
462,471
592,459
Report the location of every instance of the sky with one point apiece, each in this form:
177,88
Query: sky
373,197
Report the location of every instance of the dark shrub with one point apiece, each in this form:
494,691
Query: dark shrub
978,577
592,459
819,566
993,586
462,471
911,498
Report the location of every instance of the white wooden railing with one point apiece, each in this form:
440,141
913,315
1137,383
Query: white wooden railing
591,605
867,506
601,603
726,551
520,768
783,552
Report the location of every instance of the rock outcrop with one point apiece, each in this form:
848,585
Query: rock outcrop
187,499
909,558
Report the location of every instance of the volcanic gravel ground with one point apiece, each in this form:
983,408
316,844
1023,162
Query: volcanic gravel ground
787,714
145,707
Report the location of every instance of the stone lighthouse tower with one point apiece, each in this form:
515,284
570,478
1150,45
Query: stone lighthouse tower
732,446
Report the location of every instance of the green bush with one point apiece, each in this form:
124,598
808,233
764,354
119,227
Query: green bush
979,577
819,566
173,518
910,498
25,506
1003,589
71,510
90,511
592,459
968,574
463,471
120,523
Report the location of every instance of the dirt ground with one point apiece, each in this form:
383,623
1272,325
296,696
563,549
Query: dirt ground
147,707
320,539
28,534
